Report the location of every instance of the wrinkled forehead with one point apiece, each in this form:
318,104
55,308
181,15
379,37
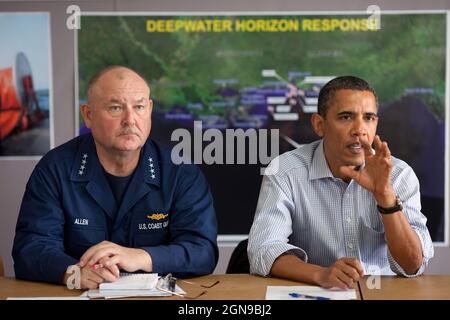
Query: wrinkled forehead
126,98
119,85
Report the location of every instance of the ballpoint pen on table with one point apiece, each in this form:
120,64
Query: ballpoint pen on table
307,296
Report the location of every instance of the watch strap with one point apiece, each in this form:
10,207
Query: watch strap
397,207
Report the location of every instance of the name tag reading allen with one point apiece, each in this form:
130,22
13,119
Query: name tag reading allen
83,222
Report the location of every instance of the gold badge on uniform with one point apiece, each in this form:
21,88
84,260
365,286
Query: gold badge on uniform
157,216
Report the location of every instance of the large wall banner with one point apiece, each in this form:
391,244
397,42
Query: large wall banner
25,85
264,71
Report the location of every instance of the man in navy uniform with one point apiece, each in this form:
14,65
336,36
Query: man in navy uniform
113,200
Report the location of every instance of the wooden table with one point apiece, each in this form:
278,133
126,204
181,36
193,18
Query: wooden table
426,287
231,287
249,287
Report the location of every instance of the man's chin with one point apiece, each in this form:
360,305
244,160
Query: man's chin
128,147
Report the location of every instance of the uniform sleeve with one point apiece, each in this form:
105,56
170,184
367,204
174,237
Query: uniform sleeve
38,249
272,226
408,189
192,249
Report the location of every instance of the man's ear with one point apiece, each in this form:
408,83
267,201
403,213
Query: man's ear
87,115
317,123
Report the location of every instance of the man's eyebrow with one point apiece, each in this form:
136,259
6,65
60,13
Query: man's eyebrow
142,100
346,113
349,113
114,100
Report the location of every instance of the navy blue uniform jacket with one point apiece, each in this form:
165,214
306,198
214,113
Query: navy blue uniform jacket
68,206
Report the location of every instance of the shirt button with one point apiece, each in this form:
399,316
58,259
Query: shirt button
348,219
350,245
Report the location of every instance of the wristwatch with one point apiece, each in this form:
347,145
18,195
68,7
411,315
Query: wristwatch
397,207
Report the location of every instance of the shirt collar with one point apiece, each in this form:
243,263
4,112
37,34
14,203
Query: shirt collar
319,168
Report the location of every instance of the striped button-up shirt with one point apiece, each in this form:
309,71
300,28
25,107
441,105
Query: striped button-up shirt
305,210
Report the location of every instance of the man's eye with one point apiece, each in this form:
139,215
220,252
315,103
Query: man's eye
115,108
140,107
345,117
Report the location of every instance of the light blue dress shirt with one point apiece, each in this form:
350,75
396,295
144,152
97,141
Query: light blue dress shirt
304,209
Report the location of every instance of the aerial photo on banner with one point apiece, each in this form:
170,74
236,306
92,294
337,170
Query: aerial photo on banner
25,85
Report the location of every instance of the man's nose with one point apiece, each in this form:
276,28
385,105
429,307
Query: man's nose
129,117
359,128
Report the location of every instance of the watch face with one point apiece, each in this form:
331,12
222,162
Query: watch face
399,202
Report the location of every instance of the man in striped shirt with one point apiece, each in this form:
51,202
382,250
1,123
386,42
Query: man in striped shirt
337,209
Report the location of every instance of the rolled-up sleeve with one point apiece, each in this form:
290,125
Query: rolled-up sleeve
408,189
272,225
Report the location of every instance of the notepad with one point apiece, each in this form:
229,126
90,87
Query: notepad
131,285
127,281
115,294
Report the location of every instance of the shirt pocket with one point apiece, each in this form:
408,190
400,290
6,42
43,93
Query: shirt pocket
79,239
151,239
371,222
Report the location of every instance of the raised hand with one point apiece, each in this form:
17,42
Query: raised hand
375,175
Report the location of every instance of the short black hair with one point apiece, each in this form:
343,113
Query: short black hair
328,91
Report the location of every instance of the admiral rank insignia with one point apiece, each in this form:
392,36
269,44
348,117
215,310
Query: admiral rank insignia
155,217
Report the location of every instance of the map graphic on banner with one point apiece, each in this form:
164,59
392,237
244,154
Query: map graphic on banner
265,71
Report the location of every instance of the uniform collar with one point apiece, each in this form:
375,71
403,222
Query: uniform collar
319,168
149,164
147,173
87,167
86,164
86,160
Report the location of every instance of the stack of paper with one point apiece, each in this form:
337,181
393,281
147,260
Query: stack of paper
129,281
131,285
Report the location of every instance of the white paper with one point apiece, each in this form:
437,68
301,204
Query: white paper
49,298
283,293
115,294
139,281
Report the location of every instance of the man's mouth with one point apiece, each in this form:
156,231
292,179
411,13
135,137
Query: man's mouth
128,133
355,148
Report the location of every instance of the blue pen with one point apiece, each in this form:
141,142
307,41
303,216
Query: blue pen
307,296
